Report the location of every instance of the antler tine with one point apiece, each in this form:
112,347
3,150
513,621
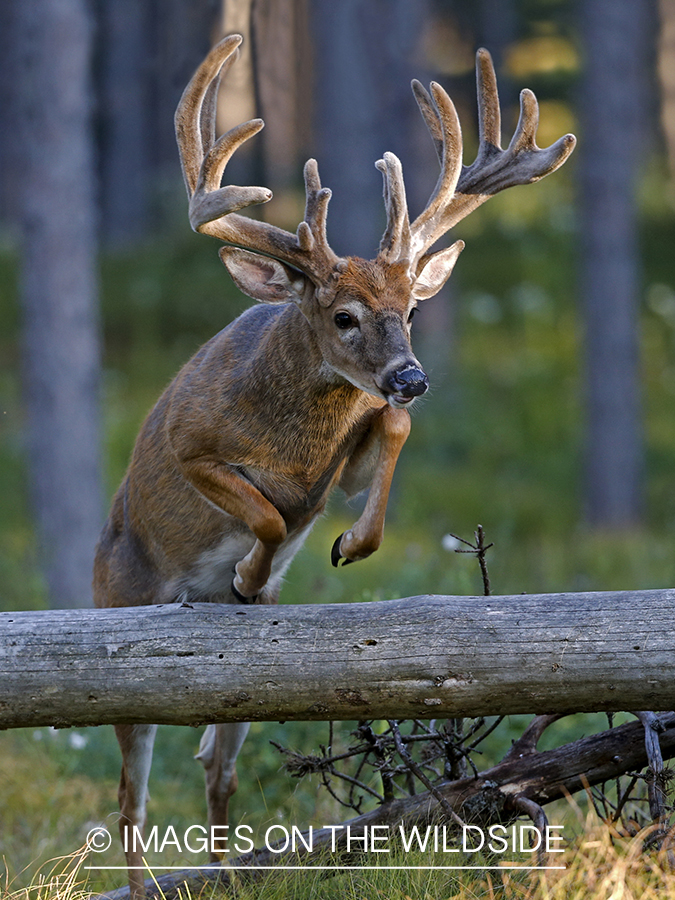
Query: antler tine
489,113
442,120
210,201
210,106
523,162
493,170
430,116
192,126
395,243
524,139
203,158
312,237
313,226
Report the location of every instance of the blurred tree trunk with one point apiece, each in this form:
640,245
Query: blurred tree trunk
282,73
59,289
616,37
667,79
124,53
147,51
9,144
183,33
362,70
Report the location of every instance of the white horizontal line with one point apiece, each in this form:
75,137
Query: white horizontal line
324,868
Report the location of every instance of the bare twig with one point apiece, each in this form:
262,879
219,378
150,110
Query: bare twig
412,765
383,764
488,730
357,784
479,548
527,742
623,797
538,816
655,777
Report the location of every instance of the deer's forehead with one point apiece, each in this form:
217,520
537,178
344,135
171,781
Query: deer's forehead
376,284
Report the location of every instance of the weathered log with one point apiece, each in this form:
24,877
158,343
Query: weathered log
418,657
524,772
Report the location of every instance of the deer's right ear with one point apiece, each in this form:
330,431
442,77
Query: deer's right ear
262,277
436,271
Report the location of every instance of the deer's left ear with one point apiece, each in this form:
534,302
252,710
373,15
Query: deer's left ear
436,271
261,277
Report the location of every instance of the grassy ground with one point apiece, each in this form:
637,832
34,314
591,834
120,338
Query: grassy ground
595,864
498,441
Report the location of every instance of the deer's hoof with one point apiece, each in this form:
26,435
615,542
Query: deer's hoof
240,597
336,556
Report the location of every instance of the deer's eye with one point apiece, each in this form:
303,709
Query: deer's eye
343,321
412,313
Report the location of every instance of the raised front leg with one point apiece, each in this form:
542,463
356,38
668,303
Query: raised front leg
377,453
221,485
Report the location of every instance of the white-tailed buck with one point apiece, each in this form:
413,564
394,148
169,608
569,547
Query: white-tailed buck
305,392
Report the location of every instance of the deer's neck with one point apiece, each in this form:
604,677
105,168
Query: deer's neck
304,406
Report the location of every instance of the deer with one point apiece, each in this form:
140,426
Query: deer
307,391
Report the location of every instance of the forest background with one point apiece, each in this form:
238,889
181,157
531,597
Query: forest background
551,354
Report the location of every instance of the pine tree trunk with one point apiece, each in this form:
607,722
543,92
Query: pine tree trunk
59,290
615,35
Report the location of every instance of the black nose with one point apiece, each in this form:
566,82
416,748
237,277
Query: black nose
410,381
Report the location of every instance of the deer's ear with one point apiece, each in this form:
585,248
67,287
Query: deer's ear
261,277
436,271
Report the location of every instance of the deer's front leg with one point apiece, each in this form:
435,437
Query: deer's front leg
384,441
221,485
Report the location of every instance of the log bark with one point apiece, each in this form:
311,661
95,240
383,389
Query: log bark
524,773
419,657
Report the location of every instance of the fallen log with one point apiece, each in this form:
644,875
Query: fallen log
541,777
419,657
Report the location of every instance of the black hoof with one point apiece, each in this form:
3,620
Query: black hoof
241,598
335,555
335,552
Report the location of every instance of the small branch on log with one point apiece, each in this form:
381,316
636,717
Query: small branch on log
479,549
457,756
415,769
481,737
623,798
527,742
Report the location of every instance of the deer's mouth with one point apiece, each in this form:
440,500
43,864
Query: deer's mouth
398,401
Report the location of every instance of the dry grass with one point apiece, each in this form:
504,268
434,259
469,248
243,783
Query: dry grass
57,879
600,865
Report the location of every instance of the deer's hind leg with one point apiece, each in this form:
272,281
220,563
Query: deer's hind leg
136,743
218,751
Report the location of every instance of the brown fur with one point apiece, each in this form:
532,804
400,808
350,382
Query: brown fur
380,284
